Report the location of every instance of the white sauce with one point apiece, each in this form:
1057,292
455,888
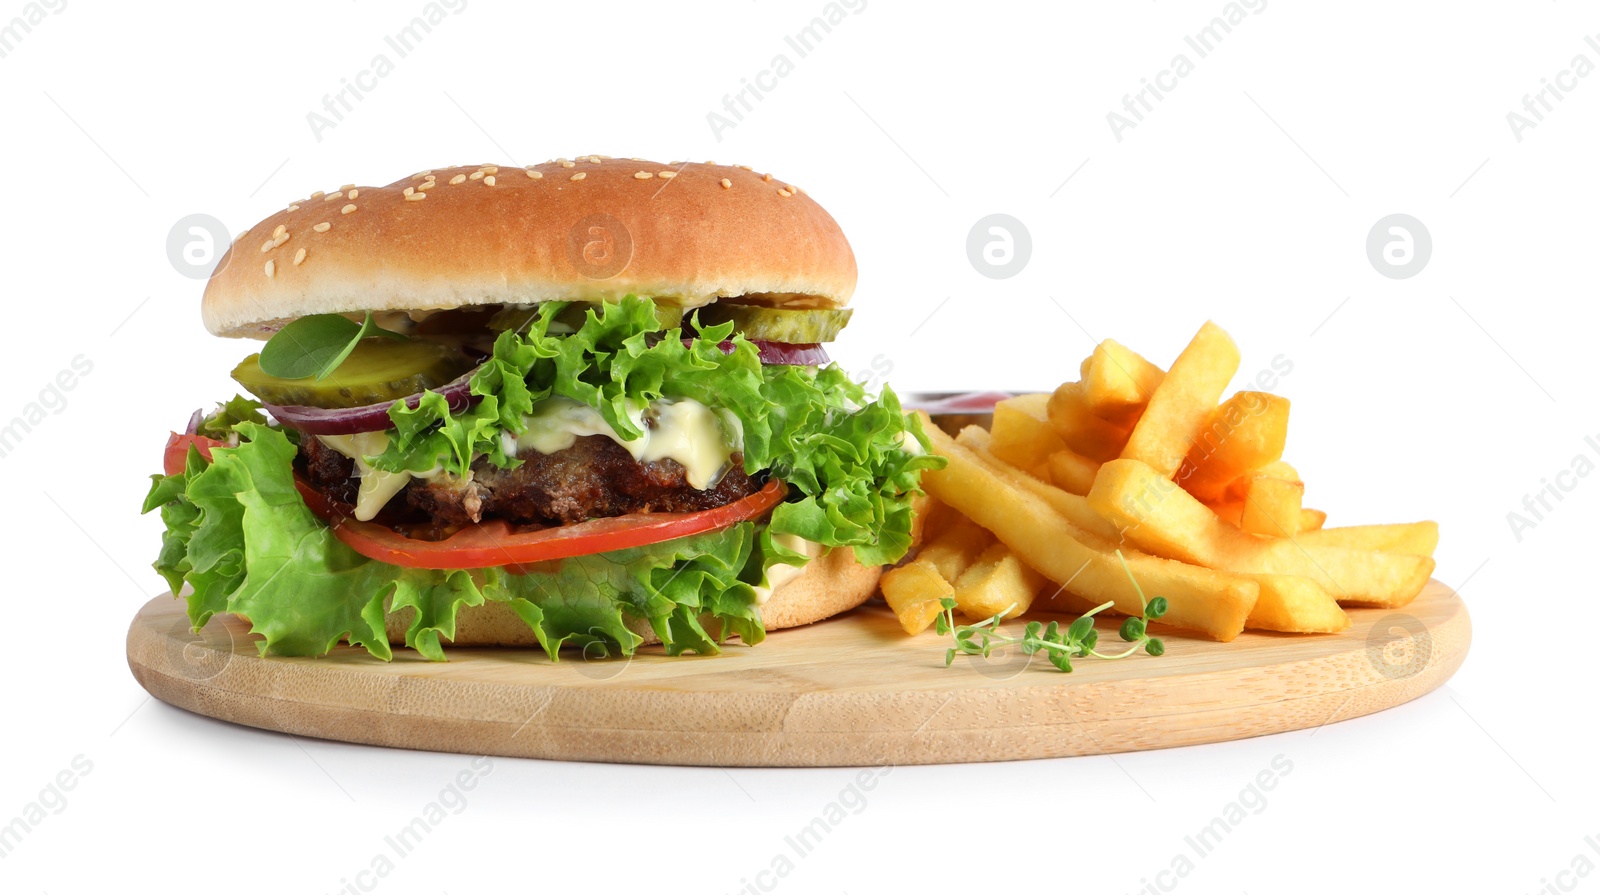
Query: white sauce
780,574
377,485
684,430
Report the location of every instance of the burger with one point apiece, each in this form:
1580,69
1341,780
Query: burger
584,404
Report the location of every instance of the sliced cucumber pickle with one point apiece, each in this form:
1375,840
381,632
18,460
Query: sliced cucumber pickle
802,325
570,318
377,370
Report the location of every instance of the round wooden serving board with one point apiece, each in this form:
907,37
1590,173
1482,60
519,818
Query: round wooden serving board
853,690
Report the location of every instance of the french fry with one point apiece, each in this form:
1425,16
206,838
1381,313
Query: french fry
1117,382
1166,520
1075,507
956,548
1239,487
1415,538
1212,603
1022,432
1272,507
1296,605
1182,405
1071,471
1244,435
997,583
1079,429
1312,520
913,592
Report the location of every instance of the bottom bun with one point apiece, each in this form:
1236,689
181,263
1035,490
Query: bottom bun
826,586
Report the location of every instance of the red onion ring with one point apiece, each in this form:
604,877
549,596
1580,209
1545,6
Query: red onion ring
370,417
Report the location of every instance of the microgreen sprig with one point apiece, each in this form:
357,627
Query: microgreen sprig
1060,645
315,345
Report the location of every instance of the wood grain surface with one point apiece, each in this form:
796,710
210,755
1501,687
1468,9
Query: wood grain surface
853,690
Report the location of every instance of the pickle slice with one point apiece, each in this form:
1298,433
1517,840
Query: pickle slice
377,370
802,325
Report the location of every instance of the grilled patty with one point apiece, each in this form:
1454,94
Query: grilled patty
593,478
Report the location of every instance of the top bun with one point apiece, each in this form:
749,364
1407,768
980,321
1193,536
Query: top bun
592,228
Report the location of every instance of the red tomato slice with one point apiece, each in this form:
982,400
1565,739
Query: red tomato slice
495,543
177,453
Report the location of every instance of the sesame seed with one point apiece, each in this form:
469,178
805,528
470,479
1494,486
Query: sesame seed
489,181
348,208
566,164
267,246
416,197
459,178
746,167
280,239
420,174
784,193
535,175
490,169
476,175
332,196
667,175
354,193
322,227
727,184
579,176
708,162
595,159
299,257
282,229
270,268
294,208
317,195
766,178
348,186
408,191
642,175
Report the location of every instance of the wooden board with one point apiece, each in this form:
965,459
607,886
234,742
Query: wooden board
852,690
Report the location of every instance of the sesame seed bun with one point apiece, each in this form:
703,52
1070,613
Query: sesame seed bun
826,586
592,228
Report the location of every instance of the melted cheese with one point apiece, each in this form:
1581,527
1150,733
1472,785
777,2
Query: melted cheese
377,485
780,574
683,430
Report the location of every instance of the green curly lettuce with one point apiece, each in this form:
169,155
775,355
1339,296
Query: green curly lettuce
239,534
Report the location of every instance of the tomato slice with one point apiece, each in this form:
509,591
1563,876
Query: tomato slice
176,456
496,543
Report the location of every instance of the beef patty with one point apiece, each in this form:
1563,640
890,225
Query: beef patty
593,478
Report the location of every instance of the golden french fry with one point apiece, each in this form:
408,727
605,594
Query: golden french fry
957,547
1296,605
1213,603
998,582
1166,520
1245,434
1239,487
1182,405
913,591
1272,507
1415,538
1079,429
1022,432
1071,471
1312,520
927,517
1075,507
1118,382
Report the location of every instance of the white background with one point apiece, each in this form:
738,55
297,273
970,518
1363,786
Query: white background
1245,196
